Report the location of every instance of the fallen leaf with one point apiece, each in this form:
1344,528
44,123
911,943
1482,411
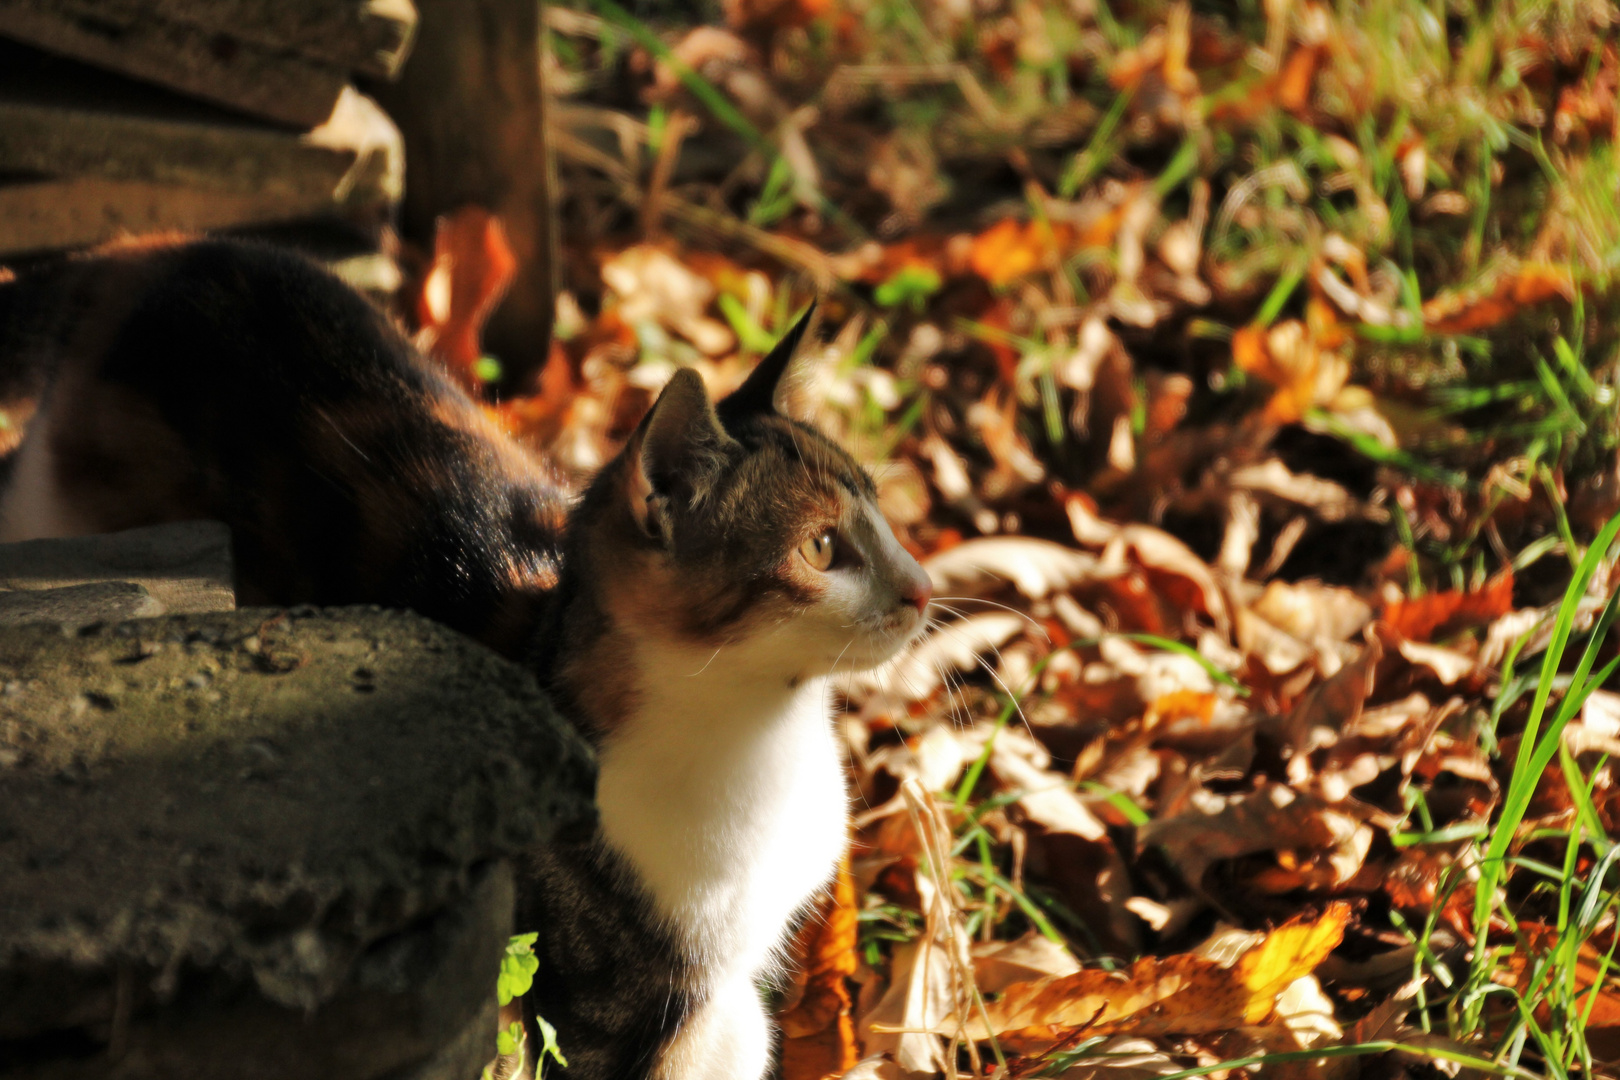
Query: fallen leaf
818,1032
654,288
1035,568
1046,797
1180,575
1333,703
1007,250
1420,619
1469,311
918,1003
1330,501
1274,818
1299,358
472,267
999,964
1313,612
1177,995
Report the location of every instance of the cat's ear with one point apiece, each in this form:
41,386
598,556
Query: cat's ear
759,393
675,452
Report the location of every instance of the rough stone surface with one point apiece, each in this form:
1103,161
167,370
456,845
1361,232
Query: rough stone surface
79,605
264,844
185,566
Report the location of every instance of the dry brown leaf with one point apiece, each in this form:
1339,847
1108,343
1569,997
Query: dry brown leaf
1274,818
1448,665
1047,798
1313,612
653,287
1330,501
1300,359
918,1003
1180,575
472,267
1176,995
1333,703
999,964
1007,250
1036,568
1466,312
818,1031
874,1068
921,670
934,758
1421,619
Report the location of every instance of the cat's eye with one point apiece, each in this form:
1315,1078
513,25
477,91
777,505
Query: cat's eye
818,550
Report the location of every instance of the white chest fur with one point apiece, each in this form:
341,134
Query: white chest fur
726,793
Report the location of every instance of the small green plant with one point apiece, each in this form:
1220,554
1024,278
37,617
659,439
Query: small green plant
518,968
911,284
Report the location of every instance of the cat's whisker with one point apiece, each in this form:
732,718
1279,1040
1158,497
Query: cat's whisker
706,664
995,604
955,689
991,671
954,683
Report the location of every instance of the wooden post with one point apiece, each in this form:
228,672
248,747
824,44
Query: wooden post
471,107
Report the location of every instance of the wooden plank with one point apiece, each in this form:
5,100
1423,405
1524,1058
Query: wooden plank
351,166
61,141
372,36
276,84
48,214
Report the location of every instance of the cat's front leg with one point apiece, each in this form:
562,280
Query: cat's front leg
729,1038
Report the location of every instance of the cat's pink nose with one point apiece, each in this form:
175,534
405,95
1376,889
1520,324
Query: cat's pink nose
918,592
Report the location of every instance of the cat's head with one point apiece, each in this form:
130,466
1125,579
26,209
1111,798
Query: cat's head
738,529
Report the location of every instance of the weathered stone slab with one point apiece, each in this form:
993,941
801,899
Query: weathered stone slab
79,605
185,566
264,844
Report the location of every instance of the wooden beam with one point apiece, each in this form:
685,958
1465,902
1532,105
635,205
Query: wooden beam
274,83
143,174
472,110
372,36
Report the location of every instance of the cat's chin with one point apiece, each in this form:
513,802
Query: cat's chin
877,648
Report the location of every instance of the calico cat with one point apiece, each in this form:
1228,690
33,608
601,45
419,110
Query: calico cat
687,616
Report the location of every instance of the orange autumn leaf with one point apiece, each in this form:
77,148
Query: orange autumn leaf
1297,358
1596,985
1292,950
1288,88
818,1030
1183,705
1419,619
472,267
1293,85
1176,995
1249,350
1130,65
1007,250
1464,312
